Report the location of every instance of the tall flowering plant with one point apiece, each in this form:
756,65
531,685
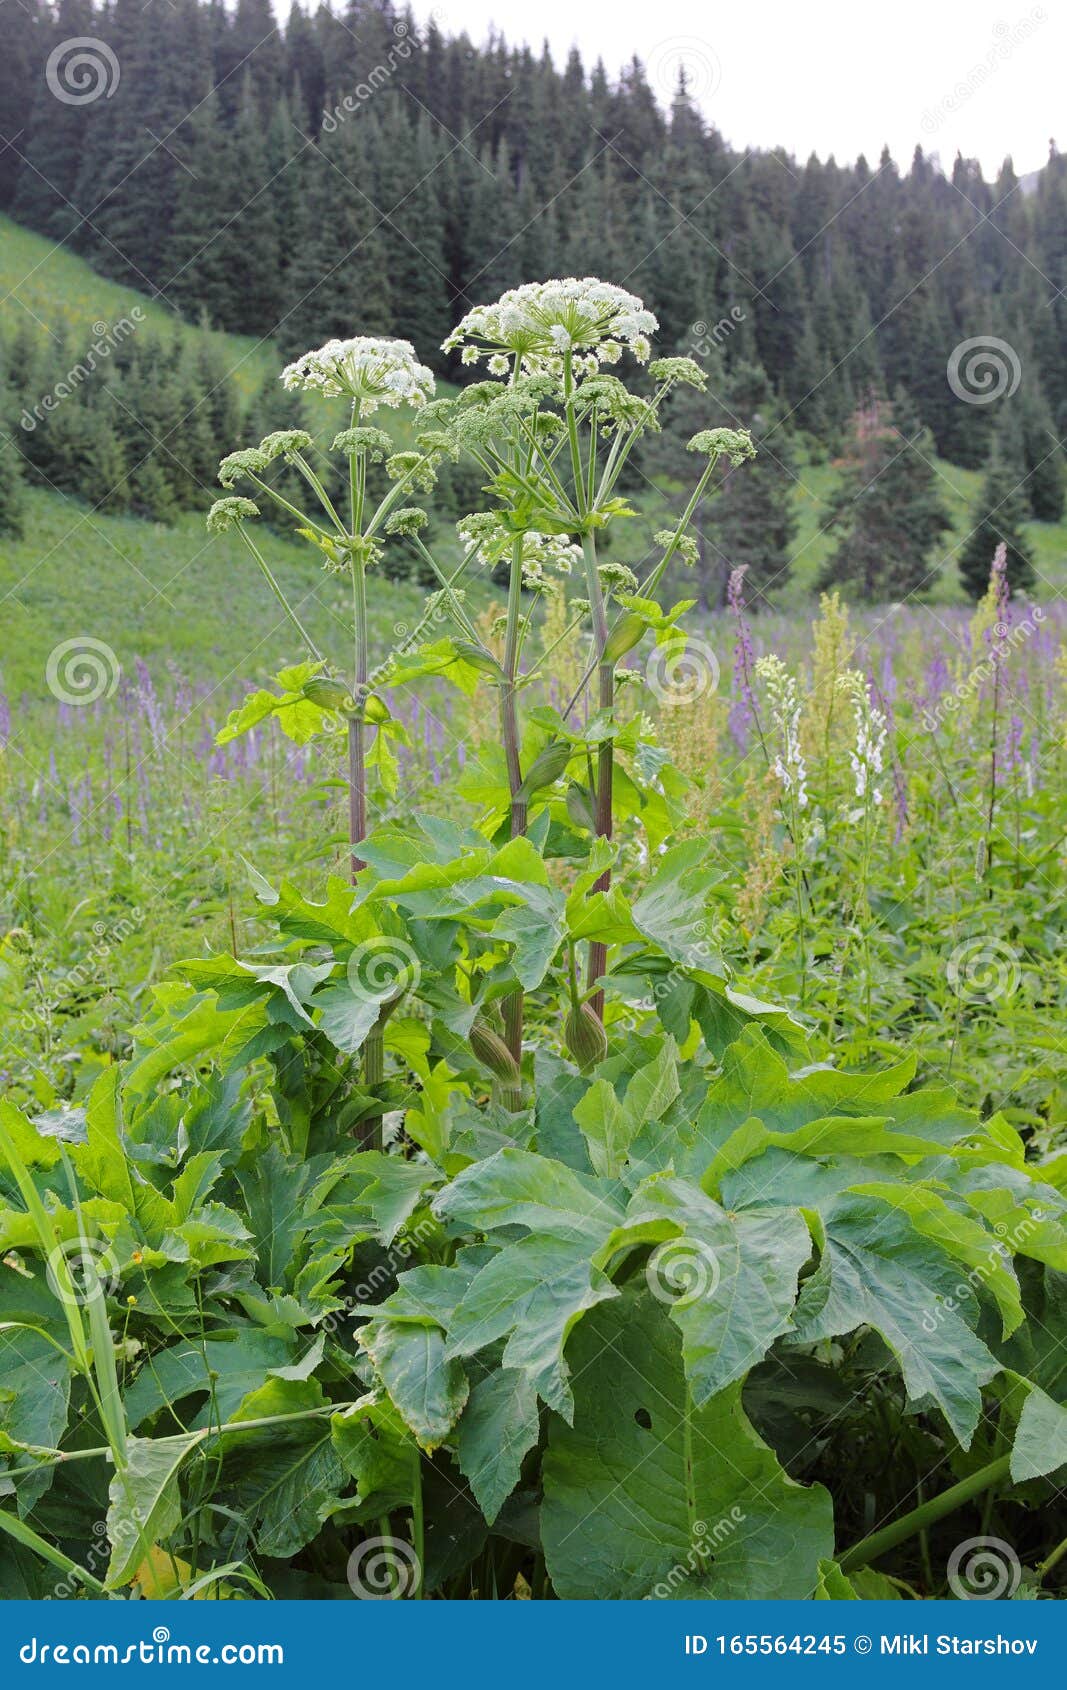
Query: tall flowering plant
519,1204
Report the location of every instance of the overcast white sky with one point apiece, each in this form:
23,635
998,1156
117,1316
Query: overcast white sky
840,76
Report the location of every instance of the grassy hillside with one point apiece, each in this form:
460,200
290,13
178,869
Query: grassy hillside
169,595
45,284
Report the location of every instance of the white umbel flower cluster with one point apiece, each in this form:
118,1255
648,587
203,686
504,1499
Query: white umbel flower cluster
542,320
871,729
367,369
543,555
789,764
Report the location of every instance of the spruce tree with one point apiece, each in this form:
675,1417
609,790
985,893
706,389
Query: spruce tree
54,144
1041,452
412,226
12,499
999,515
102,468
752,518
218,395
887,512
198,280
22,30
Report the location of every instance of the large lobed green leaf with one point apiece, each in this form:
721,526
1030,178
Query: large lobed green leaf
649,1495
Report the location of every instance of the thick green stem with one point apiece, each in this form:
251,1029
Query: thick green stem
598,952
357,791
418,1531
512,1007
653,578
1045,1567
357,749
879,1543
374,1049
100,1452
24,1534
605,767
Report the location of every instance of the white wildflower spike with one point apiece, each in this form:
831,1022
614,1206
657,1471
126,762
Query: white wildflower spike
871,729
542,320
368,370
789,764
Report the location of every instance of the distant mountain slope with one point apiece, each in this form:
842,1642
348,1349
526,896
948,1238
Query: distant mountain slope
46,286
